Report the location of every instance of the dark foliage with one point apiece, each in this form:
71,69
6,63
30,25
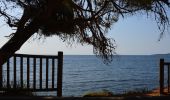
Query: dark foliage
83,21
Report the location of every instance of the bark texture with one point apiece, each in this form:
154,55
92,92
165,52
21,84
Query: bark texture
16,41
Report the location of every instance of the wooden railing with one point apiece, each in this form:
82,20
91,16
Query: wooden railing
19,69
164,64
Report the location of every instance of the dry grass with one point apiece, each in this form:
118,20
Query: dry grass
137,92
103,93
106,93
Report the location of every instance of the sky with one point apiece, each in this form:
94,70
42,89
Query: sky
134,35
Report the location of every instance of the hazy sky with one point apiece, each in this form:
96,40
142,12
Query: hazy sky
134,35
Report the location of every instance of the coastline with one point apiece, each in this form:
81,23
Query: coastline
156,92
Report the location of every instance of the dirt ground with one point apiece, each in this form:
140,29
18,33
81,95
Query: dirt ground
156,92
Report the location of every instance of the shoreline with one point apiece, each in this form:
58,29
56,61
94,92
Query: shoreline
155,92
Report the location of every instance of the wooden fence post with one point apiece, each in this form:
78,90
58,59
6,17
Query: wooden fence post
161,76
60,74
15,71
168,78
1,79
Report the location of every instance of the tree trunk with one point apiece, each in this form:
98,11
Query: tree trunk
15,43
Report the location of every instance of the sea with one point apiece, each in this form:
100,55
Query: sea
87,73
84,74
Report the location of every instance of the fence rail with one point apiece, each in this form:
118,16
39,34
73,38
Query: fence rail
164,64
33,65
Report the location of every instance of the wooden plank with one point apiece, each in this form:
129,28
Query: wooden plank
166,63
34,73
60,74
28,72
36,90
161,76
47,73
8,74
40,73
21,71
168,78
53,71
35,56
15,72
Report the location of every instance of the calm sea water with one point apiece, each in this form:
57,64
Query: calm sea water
83,74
